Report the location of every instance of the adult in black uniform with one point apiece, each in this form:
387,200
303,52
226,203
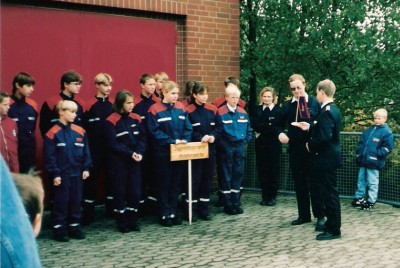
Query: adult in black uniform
299,158
268,148
324,147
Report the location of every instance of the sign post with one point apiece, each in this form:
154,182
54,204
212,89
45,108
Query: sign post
189,151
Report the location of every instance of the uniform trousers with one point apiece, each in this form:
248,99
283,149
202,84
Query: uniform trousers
66,207
232,169
305,186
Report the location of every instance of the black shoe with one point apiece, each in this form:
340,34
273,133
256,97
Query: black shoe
61,237
77,234
176,221
123,229
134,227
205,217
320,225
357,202
263,202
271,202
230,210
300,221
239,210
166,222
327,236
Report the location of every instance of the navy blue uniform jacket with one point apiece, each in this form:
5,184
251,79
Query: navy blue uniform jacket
124,134
375,144
167,123
233,127
66,151
325,142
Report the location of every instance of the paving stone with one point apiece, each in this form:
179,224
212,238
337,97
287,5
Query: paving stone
261,237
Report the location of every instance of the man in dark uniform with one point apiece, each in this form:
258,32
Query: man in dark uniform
324,147
299,158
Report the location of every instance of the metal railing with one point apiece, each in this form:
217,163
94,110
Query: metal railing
389,177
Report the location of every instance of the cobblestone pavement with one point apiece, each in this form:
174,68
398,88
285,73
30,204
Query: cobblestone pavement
261,237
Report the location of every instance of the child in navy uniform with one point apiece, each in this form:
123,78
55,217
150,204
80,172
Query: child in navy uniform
167,124
67,161
70,85
100,107
202,116
147,98
233,132
24,111
126,141
375,144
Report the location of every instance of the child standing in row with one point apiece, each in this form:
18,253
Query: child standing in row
67,161
375,144
233,132
24,111
100,107
126,142
202,116
168,123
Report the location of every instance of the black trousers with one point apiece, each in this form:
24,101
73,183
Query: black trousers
330,198
307,188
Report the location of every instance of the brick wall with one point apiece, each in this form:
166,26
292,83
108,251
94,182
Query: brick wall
208,30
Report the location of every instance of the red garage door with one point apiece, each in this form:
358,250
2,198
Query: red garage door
46,42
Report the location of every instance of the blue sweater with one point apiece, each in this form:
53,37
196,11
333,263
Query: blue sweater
375,144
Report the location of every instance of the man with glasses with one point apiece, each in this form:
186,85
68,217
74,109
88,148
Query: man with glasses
301,107
70,83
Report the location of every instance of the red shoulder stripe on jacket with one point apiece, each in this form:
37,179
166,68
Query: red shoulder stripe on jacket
53,131
113,118
78,129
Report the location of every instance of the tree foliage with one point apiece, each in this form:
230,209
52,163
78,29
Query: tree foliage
355,43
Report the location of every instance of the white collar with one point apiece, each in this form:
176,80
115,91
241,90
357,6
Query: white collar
271,106
326,103
305,95
230,108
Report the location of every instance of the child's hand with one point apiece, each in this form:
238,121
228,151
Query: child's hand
137,157
205,138
57,181
85,175
211,139
181,142
283,138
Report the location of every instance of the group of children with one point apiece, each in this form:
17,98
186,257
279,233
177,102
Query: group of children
129,145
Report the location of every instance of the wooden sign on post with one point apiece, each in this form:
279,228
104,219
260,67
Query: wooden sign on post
189,151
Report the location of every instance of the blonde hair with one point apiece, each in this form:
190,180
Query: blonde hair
168,86
162,76
232,89
381,112
66,105
268,89
103,78
327,86
297,77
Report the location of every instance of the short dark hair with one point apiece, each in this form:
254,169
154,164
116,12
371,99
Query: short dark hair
145,77
231,80
120,99
22,79
69,77
3,95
